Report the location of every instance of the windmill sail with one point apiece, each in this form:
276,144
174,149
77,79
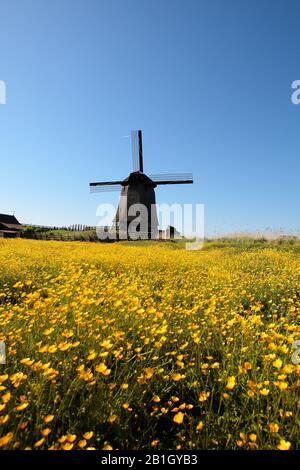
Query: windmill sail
140,142
135,150
173,178
105,186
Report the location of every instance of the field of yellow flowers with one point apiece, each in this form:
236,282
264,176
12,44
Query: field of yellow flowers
140,346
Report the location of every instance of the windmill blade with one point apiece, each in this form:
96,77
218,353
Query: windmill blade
173,178
140,142
105,186
135,150
174,182
105,189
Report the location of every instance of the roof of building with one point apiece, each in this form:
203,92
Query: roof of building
10,226
9,222
9,219
8,231
137,177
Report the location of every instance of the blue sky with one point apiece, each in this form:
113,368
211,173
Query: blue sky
209,82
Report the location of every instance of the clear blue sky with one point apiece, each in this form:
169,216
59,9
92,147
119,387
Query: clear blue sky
208,81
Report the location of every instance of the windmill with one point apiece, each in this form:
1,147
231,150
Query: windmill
138,188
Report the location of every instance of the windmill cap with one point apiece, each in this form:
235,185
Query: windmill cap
138,177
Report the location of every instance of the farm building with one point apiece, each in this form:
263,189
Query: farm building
169,234
10,226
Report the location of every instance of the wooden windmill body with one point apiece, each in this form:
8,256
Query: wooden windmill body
138,189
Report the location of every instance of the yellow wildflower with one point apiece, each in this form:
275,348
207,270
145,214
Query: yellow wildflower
283,445
178,417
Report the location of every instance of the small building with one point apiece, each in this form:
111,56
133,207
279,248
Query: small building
169,234
10,227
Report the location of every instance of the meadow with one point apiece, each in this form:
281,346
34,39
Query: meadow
149,346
